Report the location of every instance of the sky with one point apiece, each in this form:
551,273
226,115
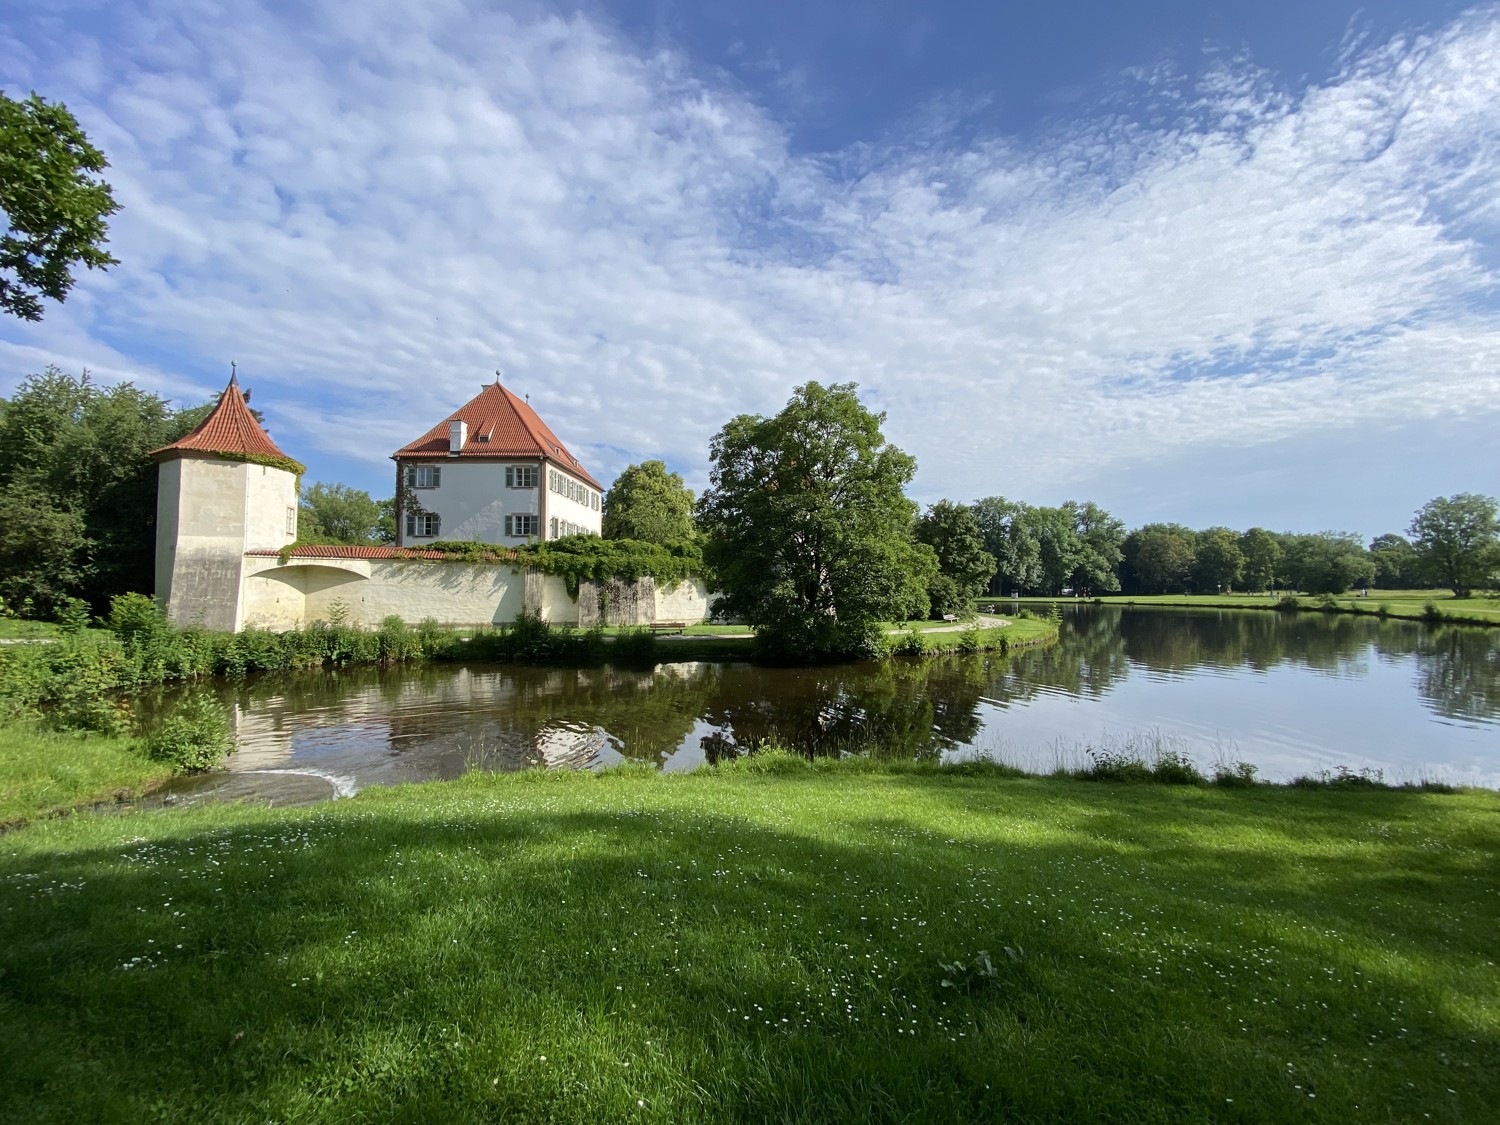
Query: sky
1211,263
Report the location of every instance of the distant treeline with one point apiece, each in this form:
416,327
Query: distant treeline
1080,548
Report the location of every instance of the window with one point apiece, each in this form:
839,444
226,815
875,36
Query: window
520,476
520,525
423,476
594,500
554,527
291,521
424,526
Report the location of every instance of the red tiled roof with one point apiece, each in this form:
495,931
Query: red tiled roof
229,428
500,425
340,551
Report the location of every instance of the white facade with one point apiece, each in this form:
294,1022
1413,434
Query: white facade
507,502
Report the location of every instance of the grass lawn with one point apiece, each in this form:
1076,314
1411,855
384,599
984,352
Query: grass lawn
1398,603
760,945
13,628
732,642
42,772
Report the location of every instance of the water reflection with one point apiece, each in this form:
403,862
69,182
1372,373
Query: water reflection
1290,693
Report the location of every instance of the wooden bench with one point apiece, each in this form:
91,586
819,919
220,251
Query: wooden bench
667,628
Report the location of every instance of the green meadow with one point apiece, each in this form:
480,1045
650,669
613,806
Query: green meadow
771,941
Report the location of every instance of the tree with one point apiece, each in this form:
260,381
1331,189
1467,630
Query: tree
55,208
1099,536
1457,541
964,566
336,513
1159,558
1261,550
808,531
648,503
1010,537
1220,562
1395,562
79,451
1057,544
1329,562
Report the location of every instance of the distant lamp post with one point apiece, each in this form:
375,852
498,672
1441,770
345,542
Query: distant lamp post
1221,589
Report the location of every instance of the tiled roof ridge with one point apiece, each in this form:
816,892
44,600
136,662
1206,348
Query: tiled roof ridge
527,436
230,428
350,551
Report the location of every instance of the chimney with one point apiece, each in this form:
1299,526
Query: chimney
458,433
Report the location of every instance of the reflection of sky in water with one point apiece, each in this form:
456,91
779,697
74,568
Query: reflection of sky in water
1288,695
1287,721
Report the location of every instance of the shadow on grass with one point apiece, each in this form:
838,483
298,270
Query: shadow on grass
681,953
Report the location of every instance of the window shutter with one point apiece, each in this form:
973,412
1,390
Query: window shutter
510,476
437,476
411,524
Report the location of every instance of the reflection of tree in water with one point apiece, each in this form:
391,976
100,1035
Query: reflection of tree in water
1088,660
1458,673
904,709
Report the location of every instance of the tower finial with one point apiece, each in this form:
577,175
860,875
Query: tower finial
234,375
497,376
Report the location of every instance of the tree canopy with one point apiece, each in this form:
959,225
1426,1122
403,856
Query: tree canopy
648,503
73,456
808,529
336,513
1456,540
964,566
55,206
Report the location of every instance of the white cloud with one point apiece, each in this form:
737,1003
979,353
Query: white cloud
371,206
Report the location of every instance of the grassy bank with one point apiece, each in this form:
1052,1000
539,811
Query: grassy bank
1409,604
760,946
45,772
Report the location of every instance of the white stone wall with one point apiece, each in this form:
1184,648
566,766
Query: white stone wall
210,511
687,601
306,590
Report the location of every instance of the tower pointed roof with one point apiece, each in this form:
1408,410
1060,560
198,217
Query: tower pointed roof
229,429
500,425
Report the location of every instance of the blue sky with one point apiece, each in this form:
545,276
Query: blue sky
1202,262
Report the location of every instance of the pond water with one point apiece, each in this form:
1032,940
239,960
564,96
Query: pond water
1290,693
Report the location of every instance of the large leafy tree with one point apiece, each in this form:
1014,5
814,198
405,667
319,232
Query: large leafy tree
75,453
1457,541
1220,562
964,566
55,206
1329,562
807,527
1395,562
648,503
1159,558
1010,536
1261,550
1099,537
336,513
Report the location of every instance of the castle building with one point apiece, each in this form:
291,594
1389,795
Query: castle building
223,490
226,530
493,472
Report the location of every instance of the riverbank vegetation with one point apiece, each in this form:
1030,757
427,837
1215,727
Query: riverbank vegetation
774,940
1432,606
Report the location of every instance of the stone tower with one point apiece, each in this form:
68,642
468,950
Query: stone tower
222,490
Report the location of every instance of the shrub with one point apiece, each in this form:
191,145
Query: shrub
635,646
1431,614
1114,765
195,737
133,615
1174,767
1288,603
72,614
1235,775
968,640
909,644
